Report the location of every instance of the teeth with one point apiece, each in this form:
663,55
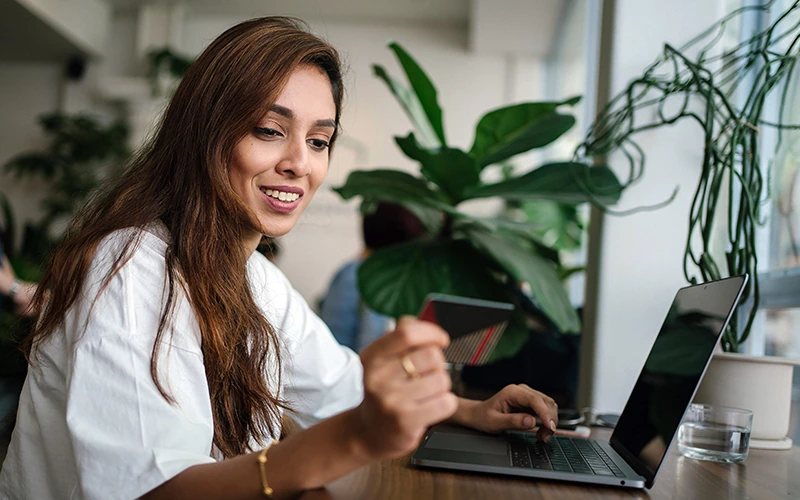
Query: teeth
281,195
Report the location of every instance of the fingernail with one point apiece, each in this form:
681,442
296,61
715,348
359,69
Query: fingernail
527,422
552,426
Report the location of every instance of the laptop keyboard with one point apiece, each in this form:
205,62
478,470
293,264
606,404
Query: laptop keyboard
562,454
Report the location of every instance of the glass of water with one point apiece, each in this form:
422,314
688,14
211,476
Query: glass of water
715,433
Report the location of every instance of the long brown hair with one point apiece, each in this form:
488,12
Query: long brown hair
181,179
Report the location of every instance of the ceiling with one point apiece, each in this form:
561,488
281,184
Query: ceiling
439,11
521,23
17,24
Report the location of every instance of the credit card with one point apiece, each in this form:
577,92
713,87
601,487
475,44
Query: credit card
474,325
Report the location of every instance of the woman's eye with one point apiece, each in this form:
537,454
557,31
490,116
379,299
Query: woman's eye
319,144
268,132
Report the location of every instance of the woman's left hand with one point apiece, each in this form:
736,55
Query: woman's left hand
510,409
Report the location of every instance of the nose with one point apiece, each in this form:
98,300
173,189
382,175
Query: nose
295,159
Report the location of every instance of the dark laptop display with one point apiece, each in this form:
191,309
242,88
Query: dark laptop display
672,373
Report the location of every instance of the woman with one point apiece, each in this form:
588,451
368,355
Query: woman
168,344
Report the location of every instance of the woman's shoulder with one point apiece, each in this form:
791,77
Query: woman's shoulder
265,275
140,250
153,236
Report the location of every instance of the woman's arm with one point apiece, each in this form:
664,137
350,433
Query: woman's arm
306,460
396,411
22,291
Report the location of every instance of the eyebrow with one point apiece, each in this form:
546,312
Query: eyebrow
288,113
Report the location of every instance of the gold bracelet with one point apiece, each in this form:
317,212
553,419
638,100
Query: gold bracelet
262,461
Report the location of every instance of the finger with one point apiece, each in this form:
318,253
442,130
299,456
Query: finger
544,407
522,421
410,334
427,360
436,409
420,390
383,374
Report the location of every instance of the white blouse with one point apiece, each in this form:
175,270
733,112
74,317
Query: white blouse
91,422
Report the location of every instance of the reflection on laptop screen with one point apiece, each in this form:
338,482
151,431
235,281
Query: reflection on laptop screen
672,371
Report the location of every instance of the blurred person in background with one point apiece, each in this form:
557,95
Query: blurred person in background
18,291
352,323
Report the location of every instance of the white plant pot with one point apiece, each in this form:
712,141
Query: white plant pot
762,384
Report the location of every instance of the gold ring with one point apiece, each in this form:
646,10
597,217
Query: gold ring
409,367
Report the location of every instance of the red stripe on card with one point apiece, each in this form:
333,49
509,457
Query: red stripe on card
483,344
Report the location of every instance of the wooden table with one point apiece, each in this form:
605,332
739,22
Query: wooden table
764,475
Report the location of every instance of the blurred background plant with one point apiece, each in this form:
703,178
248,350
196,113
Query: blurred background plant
82,151
165,66
512,255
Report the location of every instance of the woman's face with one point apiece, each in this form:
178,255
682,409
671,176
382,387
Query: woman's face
280,164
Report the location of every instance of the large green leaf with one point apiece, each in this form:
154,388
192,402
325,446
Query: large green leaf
431,218
451,169
512,130
395,280
390,185
525,265
527,231
423,88
514,337
558,224
398,187
566,182
413,108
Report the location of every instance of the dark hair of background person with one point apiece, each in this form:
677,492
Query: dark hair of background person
181,178
389,225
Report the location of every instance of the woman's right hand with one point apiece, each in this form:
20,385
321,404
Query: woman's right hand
402,399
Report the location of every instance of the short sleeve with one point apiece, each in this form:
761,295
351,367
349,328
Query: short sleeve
126,437
320,377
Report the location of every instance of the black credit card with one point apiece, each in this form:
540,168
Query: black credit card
474,325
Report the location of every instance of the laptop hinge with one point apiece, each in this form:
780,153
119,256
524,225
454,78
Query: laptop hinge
634,462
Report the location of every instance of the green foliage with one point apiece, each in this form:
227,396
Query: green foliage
515,129
165,61
484,257
82,151
559,224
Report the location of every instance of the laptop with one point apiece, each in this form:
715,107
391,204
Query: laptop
647,426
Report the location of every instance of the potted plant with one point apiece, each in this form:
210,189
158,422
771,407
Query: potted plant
165,69
706,90
81,152
476,256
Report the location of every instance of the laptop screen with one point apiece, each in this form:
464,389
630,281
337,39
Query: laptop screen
672,372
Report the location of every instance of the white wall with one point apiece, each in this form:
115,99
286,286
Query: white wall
641,257
469,85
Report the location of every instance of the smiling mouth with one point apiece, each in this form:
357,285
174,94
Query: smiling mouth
281,195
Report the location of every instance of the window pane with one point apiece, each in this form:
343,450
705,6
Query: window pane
785,220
